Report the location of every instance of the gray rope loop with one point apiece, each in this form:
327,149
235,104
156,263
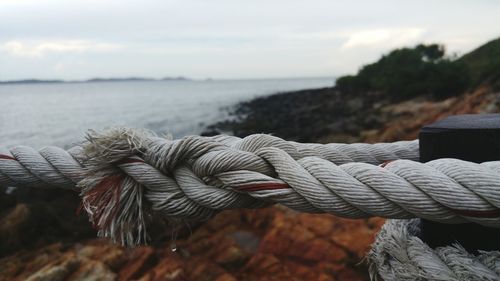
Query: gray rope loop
125,174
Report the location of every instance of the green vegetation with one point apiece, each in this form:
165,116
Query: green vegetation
484,63
409,72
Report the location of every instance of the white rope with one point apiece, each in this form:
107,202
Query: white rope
399,254
124,174
23,166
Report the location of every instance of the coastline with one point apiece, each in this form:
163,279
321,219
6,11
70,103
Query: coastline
40,234
40,238
326,115
91,80
309,115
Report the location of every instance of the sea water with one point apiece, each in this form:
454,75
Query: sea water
59,114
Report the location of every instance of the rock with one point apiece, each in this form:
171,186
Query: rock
55,271
138,261
272,243
41,217
282,245
170,268
203,269
59,262
405,119
13,223
93,271
265,267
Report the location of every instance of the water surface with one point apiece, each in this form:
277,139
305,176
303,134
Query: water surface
60,114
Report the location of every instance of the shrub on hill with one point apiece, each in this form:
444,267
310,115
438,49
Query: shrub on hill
484,63
409,72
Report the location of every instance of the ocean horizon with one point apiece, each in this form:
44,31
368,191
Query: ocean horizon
40,114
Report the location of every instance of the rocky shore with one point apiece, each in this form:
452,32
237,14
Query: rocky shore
387,100
306,116
266,244
327,115
42,238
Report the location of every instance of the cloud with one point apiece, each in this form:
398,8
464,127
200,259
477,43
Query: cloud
226,38
385,37
38,49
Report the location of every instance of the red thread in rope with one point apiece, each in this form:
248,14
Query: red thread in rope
386,163
106,192
7,157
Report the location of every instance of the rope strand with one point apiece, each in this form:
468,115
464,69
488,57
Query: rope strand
123,174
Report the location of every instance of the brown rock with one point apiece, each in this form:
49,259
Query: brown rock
356,236
169,268
55,271
290,246
13,223
139,260
92,270
205,270
302,239
265,267
110,254
406,118
321,225
272,243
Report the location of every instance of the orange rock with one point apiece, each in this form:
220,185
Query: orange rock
265,267
139,261
266,244
406,118
58,270
92,270
14,222
356,236
321,225
285,246
169,268
205,270
110,254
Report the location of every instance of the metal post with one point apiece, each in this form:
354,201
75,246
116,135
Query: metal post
471,137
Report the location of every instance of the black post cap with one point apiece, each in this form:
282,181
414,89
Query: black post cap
470,137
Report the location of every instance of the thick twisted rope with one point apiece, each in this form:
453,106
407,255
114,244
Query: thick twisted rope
399,254
126,174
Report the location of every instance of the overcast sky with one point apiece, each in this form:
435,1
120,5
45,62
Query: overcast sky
226,38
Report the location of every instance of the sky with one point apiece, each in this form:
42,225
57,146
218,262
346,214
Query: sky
227,39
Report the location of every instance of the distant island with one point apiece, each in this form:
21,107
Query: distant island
94,80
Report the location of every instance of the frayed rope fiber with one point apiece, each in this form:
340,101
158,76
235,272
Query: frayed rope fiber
399,254
127,176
